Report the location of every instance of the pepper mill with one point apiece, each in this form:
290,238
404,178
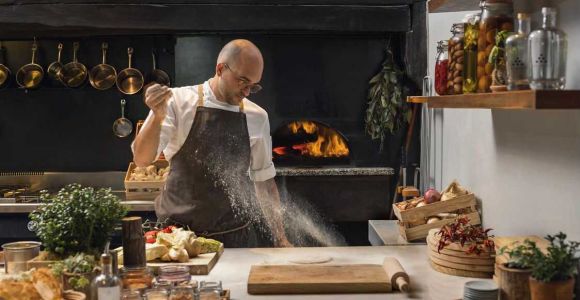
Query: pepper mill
133,243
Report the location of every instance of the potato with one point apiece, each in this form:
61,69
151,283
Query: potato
490,37
483,83
480,71
488,69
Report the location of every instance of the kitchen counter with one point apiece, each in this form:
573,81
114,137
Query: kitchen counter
234,266
386,233
134,206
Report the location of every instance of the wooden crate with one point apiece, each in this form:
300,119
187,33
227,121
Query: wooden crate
144,190
409,217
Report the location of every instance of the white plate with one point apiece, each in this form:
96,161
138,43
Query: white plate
481,286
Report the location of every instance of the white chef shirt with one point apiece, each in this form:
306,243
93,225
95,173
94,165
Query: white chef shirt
176,126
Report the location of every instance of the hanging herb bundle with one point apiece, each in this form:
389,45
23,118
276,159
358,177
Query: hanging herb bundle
387,108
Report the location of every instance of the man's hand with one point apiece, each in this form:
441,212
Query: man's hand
156,97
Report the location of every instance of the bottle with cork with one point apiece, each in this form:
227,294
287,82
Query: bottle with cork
106,286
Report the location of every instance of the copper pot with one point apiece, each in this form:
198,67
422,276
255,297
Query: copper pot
130,80
555,290
74,73
103,76
30,76
157,75
54,70
5,73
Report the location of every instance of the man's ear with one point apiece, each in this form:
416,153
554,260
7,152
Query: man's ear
219,69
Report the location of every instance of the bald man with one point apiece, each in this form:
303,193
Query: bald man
220,151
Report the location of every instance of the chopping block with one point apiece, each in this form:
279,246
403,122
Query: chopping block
328,279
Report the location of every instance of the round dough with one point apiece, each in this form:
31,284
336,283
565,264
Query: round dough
314,259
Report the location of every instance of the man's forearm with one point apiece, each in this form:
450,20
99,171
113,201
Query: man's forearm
269,201
146,143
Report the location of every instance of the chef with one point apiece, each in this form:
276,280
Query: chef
219,147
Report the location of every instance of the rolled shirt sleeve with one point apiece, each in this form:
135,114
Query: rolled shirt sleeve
262,167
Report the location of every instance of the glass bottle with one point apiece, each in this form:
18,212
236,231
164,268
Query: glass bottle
441,64
516,48
456,61
547,54
497,16
107,285
470,48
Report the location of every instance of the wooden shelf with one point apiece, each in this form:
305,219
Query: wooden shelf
569,99
529,6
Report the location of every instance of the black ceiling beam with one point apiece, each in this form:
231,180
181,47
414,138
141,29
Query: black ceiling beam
20,21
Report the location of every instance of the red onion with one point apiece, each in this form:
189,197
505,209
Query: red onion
432,195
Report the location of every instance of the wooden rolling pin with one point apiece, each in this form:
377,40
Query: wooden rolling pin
395,272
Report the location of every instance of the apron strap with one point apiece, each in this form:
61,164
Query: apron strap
201,97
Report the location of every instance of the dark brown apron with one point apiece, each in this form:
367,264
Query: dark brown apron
208,187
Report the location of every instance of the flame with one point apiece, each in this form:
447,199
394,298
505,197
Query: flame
328,143
280,150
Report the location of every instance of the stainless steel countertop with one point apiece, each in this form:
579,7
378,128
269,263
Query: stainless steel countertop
9,208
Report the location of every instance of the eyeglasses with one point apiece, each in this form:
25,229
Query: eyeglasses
245,83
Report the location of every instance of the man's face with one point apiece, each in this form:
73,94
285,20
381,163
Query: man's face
237,80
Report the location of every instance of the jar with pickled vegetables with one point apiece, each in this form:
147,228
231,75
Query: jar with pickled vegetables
456,61
441,64
470,48
497,16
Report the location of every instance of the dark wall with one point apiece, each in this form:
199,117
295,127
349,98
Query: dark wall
55,128
324,77
314,77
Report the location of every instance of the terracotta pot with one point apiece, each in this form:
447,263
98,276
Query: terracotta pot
513,283
555,290
86,290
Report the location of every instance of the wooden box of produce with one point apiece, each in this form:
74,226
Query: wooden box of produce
146,183
416,218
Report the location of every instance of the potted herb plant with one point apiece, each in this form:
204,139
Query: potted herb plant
513,276
77,271
553,272
76,219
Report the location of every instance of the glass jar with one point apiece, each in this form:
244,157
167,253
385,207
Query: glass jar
131,295
174,274
156,294
456,61
516,48
497,16
136,278
441,65
471,27
183,292
547,54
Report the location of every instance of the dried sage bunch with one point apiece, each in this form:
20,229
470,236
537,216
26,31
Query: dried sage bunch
387,106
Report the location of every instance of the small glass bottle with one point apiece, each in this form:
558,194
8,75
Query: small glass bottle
456,61
106,286
441,65
547,54
516,48
497,15
470,47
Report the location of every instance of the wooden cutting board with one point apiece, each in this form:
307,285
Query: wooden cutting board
318,279
199,265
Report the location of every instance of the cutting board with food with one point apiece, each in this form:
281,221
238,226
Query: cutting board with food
177,246
331,279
